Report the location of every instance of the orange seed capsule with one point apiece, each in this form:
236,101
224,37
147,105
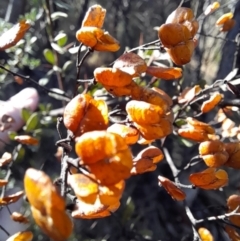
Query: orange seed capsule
200,125
94,146
208,105
144,113
193,134
209,147
216,159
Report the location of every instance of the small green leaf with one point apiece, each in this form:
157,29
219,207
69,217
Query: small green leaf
186,142
57,48
57,15
74,50
20,153
43,81
11,135
180,122
57,69
32,122
67,65
128,211
49,56
25,114
61,39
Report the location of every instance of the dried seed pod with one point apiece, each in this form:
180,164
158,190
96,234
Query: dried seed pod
180,15
173,34
208,105
209,179
164,95
228,25
94,17
182,54
200,125
166,73
150,96
188,94
216,159
131,63
97,39
112,77
11,37
185,17
129,134
152,153
155,131
212,7
27,140
142,112
116,168
193,134
205,234
233,149
233,203
83,114
24,235
209,147
175,192
89,35
47,205
94,146
225,17
74,111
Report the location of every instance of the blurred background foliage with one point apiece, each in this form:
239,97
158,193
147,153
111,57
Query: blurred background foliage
47,55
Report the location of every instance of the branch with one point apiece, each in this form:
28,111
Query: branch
27,78
219,217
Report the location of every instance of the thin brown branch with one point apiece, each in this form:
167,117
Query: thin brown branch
27,78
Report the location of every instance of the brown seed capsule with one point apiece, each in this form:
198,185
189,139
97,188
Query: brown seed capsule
216,160
200,125
209,147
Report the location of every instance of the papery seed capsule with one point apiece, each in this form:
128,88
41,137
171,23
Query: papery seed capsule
208,105
193,134
216,159
209,147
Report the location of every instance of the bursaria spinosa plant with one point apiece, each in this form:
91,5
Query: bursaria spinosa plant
97,153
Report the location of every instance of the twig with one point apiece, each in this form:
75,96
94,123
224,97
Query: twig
196,236
144,45
219,217
27,78
4,230
79,64
175,173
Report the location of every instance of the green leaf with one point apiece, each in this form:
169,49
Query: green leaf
11,135
67,65
186,142
32,122
128,211
20,153
25,114
57,15
61,39
180,122
43,81
57,48
49,56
